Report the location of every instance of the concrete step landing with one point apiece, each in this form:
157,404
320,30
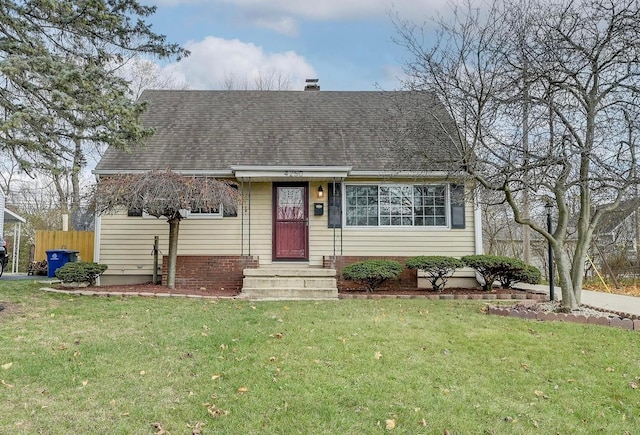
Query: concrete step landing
289,283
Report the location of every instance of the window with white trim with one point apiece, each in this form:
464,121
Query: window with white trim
391,205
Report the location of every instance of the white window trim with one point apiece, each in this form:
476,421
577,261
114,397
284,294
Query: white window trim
447,209
194,216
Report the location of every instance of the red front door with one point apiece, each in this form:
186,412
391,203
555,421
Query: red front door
290,221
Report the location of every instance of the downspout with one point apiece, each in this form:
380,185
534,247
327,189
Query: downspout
96,241
477,230
242,219
249,223
333,198
97,230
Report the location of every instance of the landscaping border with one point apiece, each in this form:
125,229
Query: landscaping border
616,320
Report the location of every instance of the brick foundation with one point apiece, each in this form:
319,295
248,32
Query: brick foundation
219,272
408,279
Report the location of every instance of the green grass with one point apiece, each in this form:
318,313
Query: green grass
96,365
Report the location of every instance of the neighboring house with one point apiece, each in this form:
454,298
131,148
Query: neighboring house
322,186
9,217
615,240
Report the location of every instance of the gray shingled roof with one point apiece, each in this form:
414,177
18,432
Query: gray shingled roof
214,130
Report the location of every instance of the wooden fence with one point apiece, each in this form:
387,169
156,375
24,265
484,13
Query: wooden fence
81,241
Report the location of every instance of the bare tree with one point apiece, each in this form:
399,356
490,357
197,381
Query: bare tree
145,74
265,80
163,193
582,62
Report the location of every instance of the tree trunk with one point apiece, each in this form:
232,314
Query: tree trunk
174,227
570,298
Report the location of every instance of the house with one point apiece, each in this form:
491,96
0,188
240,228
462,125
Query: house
615,241
323,184
7,216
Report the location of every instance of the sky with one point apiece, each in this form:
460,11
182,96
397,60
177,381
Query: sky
346,44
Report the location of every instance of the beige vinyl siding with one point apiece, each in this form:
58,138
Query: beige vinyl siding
258,225
126,242
381,241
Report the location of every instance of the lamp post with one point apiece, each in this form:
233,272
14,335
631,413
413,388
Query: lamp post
548,206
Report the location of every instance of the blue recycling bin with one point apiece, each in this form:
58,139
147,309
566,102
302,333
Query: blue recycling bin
56,258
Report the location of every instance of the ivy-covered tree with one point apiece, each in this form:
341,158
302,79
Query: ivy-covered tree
163,193
58,87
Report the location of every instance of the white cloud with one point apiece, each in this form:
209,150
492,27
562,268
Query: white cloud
215,61
285,25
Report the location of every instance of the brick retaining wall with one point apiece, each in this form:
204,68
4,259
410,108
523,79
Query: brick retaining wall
215,272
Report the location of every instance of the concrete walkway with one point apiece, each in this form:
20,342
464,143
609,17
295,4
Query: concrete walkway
607,301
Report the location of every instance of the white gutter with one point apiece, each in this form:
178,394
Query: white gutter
290,172
210,173
399,174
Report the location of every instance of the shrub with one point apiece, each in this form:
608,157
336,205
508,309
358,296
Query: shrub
439,268
372,273
80,272
530,275
492,267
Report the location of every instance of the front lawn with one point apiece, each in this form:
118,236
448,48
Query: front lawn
96,365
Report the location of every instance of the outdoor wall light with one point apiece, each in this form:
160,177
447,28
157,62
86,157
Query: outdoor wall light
320,192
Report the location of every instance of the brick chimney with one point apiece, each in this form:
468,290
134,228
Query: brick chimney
312,85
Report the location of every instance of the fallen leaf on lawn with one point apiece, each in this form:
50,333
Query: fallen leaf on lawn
7,366
214,412
272,359
243,390
423,422
446,391
390,424
610,369
224,346
196,430
214,377
378,355
84,383
142,372
159,429
6,385
538,393
634,385
524,366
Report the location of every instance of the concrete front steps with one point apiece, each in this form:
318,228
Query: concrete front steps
289,282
